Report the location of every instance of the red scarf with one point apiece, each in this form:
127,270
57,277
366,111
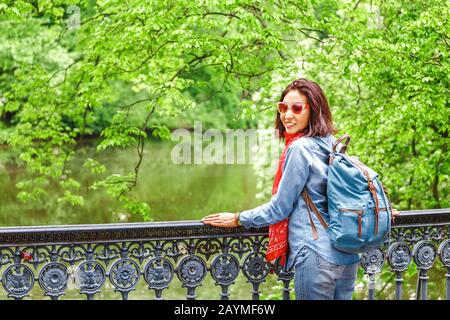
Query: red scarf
278,232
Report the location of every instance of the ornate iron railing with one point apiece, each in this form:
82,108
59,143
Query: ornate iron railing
156,252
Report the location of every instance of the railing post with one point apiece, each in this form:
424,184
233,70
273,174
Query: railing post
255,269
158,274
191,271
447,275
224,270
191,293
399,257
423,288
284,276
286,290
398,285
255,291
371,286
424,253
444,255
372,263
224,293
124,275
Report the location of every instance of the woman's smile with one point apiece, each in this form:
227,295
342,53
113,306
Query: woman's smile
289,124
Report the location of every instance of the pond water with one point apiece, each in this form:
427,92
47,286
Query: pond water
174,192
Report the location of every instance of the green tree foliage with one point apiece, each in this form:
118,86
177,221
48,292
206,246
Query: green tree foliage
396,102
124,70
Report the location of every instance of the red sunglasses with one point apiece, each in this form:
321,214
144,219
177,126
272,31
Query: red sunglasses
296,108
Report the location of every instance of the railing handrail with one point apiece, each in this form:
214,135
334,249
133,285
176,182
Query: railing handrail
427,217
136,231
113,232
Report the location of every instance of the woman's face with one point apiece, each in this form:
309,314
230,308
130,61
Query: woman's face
292,122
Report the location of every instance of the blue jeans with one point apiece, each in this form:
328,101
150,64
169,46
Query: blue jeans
317,279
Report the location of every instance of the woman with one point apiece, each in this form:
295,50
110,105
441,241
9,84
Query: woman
321,271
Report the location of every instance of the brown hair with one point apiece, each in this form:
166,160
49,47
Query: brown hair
320,121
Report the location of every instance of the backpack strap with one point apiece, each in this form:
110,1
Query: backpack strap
309,202
311,206
345,140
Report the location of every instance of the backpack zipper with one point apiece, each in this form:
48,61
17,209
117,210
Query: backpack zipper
359,212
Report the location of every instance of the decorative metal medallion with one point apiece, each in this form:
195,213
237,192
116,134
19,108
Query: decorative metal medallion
158,273
372,261
444,253
255,266
424,254
124,274
225,268
90,276
191,270
399,256
53,278
18,280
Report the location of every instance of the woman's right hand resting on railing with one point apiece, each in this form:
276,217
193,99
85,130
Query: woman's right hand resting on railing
395,213
224,219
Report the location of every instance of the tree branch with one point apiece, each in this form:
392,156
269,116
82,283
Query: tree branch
145,60
232,15
257,14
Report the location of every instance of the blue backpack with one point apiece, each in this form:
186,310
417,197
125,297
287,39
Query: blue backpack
358,207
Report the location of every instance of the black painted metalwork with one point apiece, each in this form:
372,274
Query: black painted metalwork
224,270
94,257
399,258
90,277
53,279
158,275
444,255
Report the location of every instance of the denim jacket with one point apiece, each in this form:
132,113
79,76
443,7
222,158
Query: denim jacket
306,164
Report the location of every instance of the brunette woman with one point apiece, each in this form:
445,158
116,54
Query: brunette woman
321,271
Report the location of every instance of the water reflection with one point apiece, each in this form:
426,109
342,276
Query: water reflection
173,192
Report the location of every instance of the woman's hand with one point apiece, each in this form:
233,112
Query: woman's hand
224,219
395,213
